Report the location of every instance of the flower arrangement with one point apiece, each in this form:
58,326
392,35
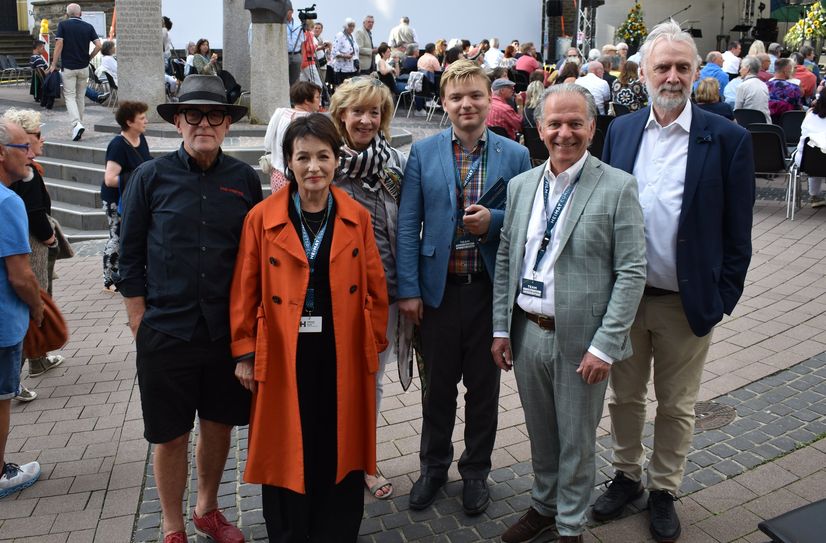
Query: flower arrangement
633,30
810,27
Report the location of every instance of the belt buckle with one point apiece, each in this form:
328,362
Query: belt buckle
467,278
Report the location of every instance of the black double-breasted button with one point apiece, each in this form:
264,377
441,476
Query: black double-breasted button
353,289
276,299
274,261
355,252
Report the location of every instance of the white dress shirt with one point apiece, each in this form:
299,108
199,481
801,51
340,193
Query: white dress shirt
660,171
536,232
599,89
731,63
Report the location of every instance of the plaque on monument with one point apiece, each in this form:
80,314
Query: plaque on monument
268,11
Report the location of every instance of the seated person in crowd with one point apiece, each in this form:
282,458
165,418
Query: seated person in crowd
627,89
714,68
527,61
707,96
411,59
568,74
808,80
532,97
388,71
428,61
765,62
509,57
783,94
607,62
730,92
108,62
453,54
501,113
596,85
753,92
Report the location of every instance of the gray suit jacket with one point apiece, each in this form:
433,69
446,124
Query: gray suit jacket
599,275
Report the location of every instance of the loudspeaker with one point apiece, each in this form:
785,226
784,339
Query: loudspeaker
553,8
766,31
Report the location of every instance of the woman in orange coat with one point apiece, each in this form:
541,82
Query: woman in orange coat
308,317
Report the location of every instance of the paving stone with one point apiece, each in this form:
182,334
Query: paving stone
707,477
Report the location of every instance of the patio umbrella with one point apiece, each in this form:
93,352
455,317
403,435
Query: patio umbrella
787,12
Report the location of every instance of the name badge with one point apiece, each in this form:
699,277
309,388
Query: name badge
464,243
535,289
309,325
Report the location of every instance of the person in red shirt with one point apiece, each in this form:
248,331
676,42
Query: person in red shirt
527,61
808,80
501,112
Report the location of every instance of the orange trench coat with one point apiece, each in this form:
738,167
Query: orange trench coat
267,298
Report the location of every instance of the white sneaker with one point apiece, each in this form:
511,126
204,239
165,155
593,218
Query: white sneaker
26,395
431,104
15,478
419,113
77,131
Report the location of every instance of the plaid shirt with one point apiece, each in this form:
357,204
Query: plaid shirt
502,114
467,260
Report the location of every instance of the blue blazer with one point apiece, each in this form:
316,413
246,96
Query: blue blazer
714,233
427,212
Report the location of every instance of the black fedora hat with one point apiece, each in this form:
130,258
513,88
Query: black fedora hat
201,90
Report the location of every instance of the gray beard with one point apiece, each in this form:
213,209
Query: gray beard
667,104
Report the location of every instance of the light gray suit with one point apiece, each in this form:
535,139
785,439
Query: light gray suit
599,277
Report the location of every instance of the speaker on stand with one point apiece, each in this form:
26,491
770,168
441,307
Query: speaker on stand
553,8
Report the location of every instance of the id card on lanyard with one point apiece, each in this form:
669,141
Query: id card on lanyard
533,287
309,323
466,241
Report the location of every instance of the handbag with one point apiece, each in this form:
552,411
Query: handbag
265,162
51,335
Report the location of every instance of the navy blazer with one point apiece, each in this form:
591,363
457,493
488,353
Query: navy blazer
427,212
714,233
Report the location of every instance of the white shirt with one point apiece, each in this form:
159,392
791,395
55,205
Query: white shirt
492,57
536,231
660,172
599,89
731,63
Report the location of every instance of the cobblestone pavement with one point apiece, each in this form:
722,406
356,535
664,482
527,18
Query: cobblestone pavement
765,361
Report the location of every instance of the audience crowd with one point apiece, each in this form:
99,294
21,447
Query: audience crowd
290,308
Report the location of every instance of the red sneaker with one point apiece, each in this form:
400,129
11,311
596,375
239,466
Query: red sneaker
175,537
214,526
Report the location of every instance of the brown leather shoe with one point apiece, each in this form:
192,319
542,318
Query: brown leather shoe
570,539
529,525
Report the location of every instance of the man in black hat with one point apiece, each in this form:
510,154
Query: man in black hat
182,218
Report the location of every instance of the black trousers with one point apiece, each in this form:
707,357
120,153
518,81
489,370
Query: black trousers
332,515
456,339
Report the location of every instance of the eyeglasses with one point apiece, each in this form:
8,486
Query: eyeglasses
215,117
25,146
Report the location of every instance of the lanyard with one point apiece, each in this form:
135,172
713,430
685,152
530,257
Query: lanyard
560,205
311,250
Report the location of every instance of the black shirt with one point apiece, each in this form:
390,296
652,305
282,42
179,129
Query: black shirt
38,205
76,35
129,158
179,238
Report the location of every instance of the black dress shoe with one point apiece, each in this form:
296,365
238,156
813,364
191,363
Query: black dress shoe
424,492
665,524
620,493
475,496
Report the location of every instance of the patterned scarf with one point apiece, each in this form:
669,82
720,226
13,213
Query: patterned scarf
373,166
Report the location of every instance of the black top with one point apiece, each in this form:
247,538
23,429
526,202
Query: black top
76,35
316,366
129,158
38,205
179,238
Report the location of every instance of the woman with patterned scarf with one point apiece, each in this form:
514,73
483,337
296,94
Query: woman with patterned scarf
370,171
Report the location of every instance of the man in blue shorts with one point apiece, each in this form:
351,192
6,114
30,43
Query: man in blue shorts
19,295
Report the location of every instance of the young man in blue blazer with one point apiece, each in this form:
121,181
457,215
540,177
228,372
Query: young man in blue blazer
446,252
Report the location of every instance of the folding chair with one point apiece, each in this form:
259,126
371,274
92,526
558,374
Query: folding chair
620,109
414,81
113,90
22,71
791,121
745,117
813,164
5,70
770,158
500,130
603,121
597,143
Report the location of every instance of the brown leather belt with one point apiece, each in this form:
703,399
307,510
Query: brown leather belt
546,323
654,291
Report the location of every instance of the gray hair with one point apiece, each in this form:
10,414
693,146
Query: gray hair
494,42
713,56
752,64
27,119
349,21
670,31
774,49
566,88
411,49
4,131
73,10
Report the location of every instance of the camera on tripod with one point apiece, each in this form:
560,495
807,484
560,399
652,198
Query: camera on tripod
306,14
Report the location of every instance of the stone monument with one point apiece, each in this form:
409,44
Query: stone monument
140,53
269,74
236,41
